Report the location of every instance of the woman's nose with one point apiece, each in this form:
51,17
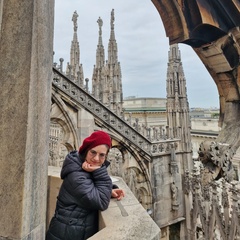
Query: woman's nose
97,157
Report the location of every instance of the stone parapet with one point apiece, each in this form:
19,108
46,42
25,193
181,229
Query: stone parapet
125,219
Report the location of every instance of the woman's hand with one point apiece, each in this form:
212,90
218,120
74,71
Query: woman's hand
88,167
118,193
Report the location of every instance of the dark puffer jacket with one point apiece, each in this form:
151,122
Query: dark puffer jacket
81,196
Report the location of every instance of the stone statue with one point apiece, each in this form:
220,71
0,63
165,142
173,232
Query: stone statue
74,19
100,22
112,18
174,191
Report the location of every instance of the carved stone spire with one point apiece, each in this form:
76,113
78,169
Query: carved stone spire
74,68
107,77
177,102
97,77
114,72
112,45
100,48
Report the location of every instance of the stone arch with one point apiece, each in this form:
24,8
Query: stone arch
144,197
133,168
116,159
63,135
57,148
136,181
211,28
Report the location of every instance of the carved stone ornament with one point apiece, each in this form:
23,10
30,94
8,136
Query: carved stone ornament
216,160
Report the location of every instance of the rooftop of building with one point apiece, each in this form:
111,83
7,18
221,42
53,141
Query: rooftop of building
145,109
129,98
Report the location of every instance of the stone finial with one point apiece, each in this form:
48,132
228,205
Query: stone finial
100,24
74,19
87,80
112,18
61,64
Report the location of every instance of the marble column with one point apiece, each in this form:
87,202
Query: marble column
26,52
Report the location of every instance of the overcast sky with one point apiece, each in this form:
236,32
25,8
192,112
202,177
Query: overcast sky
142,47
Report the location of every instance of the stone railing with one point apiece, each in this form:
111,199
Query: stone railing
109,118
125,219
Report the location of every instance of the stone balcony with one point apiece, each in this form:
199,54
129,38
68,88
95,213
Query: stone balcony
123,220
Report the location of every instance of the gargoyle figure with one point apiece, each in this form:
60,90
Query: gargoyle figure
216,161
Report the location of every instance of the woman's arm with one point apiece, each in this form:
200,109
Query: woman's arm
91,190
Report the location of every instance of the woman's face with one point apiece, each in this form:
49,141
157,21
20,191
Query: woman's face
97,155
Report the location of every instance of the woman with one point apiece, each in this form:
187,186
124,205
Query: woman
86,189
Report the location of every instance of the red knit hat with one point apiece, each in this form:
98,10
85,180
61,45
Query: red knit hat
95,139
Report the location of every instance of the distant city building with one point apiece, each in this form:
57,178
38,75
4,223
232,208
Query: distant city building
204,126
145,114
150,113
